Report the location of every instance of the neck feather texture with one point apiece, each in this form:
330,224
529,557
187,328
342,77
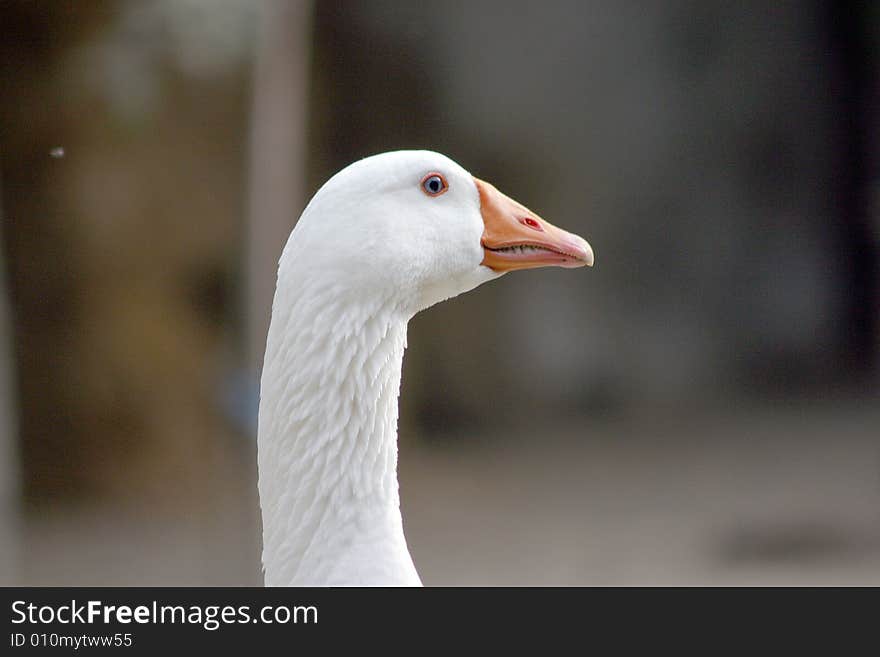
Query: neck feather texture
328,439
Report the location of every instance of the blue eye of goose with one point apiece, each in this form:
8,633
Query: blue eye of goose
434,184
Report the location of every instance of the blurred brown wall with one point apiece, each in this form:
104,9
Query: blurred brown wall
122,253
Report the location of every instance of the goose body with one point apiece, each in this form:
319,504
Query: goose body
384,238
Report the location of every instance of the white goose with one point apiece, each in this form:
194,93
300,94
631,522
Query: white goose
384,238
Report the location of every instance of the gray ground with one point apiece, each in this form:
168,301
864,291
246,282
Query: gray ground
767,497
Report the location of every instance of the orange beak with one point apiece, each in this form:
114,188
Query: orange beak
514,237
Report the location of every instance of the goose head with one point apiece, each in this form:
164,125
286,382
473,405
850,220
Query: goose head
383,239
418,225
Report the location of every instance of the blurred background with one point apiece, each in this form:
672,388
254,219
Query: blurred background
701,407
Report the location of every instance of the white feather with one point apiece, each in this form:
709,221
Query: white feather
370,250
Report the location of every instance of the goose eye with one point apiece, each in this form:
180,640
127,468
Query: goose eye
434,184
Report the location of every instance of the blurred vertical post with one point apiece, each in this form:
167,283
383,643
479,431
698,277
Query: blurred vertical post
277,156
9,488
855,96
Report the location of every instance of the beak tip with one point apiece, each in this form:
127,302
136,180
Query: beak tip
589,258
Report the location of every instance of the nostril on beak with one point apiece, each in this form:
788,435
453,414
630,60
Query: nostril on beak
531,223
